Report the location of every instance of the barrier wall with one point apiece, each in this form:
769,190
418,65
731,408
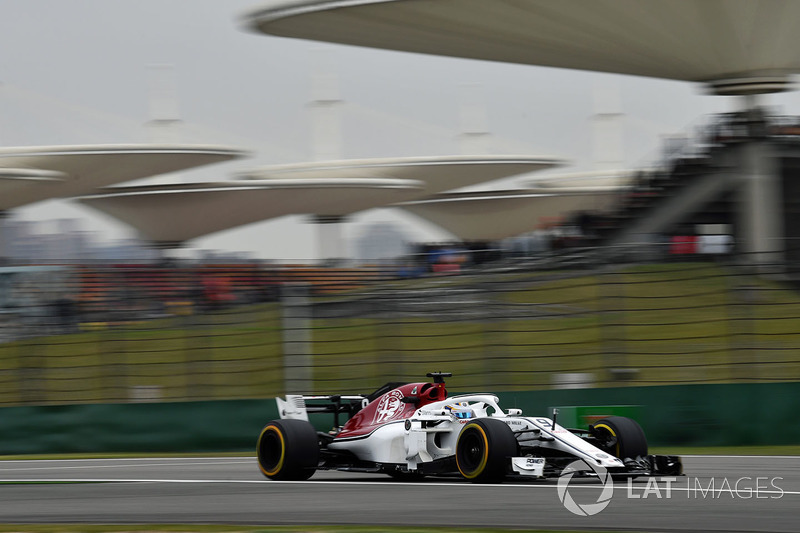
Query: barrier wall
144,427
691,415
698,415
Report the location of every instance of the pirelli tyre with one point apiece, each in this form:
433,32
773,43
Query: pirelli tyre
483,450
621,437
288,450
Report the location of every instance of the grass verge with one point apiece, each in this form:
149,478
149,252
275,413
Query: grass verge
80,528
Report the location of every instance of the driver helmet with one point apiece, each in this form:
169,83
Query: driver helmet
460,410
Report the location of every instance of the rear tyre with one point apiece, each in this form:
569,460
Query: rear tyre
621,437
483,449
288,450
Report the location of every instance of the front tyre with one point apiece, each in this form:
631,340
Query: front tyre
621,437
483,450
288,450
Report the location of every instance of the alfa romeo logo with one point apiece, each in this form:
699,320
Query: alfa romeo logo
388,407
586,509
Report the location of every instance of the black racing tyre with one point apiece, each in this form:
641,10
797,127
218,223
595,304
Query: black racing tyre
483,449
288,450
621,437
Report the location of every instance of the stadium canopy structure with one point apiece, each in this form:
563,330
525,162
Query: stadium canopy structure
496,215
593,178
36,173
438,173
170,215
14,179
732,46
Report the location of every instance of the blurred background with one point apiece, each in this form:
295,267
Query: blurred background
626,252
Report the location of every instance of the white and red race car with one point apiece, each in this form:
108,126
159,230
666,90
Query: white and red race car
412,430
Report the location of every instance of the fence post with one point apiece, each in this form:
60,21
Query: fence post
297,358
612,320
386,307
30,367
495,351
743,364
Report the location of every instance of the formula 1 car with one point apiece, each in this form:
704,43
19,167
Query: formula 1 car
412,430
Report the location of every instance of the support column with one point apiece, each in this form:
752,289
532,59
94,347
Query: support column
297,358
475,137
325,109
3,238
164,124
162,249
607,138
330,243
760,216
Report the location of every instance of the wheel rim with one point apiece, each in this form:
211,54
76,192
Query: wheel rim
611,442
472,451
271,451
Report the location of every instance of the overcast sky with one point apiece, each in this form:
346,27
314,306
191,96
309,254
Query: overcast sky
79,71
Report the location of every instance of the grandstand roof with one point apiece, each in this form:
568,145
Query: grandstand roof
14,179
173,214
35,173
438,173
739,46
494,215
593,178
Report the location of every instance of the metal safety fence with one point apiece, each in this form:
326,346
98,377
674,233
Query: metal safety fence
128,333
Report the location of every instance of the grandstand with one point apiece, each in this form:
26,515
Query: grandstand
744,49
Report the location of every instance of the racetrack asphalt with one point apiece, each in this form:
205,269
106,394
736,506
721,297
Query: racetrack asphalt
231,490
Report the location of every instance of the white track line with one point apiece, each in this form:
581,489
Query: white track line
468,486
84,467
742,456
115,459
252,458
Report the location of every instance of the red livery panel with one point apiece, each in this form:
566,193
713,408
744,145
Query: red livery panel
397,404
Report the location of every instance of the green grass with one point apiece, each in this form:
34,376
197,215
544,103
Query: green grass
673,323
51,482
233,354
177,528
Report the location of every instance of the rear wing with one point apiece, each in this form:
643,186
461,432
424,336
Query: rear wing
295,406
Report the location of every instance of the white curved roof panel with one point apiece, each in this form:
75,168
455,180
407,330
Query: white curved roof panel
177,213
82,169
741,45
593,178
16,179
438,173
495,215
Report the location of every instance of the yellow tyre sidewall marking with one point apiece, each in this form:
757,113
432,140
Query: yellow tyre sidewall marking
607,428
485,459
283,451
